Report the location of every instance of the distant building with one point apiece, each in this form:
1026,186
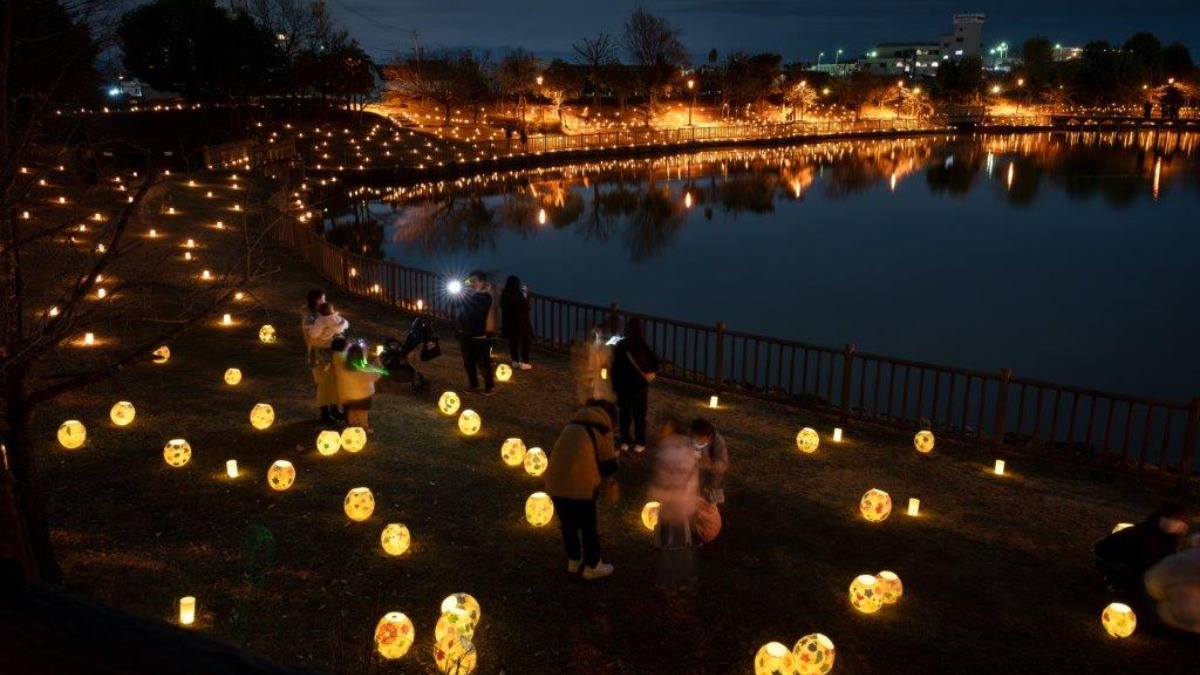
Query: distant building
967,37
902,58
841,69
1062,53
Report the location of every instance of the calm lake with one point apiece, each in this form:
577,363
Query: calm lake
1066,257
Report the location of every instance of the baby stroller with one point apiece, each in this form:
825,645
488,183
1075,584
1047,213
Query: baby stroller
396,354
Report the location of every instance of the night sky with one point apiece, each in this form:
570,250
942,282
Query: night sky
798,29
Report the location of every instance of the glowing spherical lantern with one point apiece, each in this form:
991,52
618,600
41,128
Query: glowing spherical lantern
72,434
162,354
463,601
262,416
889,586
448,403
395,539
233,376
394,635
650,515
808,439
813,655
865,595
281,475
876,505
536,462
359,504
923,441
469,422
539,509
177,452
1119,620
774,659
354,439
329,442
456,621
267,334
513,452
503,372
454,655
122,413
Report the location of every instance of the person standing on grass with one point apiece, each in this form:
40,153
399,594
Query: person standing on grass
582,466
474,313
1124,556
713,460
318,356
356,380
675,486
634,367
517,321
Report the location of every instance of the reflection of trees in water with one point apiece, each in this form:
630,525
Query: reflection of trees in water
448,224
957,171
654,223
753,192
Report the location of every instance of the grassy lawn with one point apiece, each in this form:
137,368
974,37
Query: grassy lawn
997,570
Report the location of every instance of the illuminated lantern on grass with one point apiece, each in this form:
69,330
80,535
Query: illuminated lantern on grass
187,610
774,659
889,586
448,403
865,595
177,452
807,440
464,601
456,621
162,354
267,334
354,439
281,475
395,539
513,452
454,655
329,442
536,462
813,655
359,504
233,376
1121,526
539,510
72,434
1119,620
122,413
262,416
650,515
394,635
503,372
876,505
923,441
469,422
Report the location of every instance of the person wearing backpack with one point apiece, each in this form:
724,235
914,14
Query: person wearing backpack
582,466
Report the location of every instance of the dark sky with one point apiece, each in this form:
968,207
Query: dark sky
798,29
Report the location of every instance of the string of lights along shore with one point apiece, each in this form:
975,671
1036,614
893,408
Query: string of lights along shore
762,338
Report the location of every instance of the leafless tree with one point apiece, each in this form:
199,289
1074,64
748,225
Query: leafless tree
594,54
655,47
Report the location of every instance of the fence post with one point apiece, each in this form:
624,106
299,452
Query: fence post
614,319
720,373
345,270
1187,459
847,378
1001,410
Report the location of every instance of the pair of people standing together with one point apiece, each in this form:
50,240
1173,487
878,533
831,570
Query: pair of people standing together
476,322
344,380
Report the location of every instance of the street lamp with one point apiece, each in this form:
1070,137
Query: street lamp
819,57
837,57
541,107
692,102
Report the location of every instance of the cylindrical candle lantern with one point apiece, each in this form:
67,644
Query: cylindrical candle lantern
227,320
604,373
89,339
712,401
999,470
187,610
231,468
837,434
914,506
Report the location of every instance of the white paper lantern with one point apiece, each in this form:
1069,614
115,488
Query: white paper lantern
233,377
72,434
650,515
448,403
865,595
395,539
889,586
329,442
394,635
469,422
923,441
464,601
1121,526
1119,620
876,505
187,610
454,655
513,452
503,372
262,416
267,334
539,509
162,354
359,504
281,475
177,452
536,462
774,658
122,413
354,439
813,655
807,440
231,468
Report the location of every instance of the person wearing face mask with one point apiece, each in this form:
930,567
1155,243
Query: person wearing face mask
712,458
1123,557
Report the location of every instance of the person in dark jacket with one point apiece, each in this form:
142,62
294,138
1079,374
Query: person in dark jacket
1124,556
471,323
634,366
516,321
